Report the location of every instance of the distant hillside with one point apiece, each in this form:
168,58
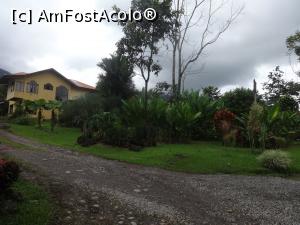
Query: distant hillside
3,72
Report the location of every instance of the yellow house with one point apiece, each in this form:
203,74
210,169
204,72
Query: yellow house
46,84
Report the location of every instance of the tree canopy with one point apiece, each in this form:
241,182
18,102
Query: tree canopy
117,77
141,41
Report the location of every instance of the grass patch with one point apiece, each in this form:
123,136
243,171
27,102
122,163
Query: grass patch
36,208
200,157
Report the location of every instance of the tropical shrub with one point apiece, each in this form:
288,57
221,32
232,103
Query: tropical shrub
146,125
9,173
117,135
281,124
223,120
76,112
180,119
205,107
255,128
275,160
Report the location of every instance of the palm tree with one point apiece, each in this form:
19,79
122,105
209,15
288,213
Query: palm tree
53,106
37,105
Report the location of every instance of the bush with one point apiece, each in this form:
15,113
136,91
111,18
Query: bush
74,113
9,173
24,120
275,160
203,127
180,119
117,135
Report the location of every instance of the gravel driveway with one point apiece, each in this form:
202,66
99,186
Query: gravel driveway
157,196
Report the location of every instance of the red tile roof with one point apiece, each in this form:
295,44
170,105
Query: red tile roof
20,74
75,83
82,85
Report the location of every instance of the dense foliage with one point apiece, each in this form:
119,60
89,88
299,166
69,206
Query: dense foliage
277,87
238,100
115,84
293,43
75,113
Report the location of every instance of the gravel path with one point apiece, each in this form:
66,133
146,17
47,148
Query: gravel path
157,196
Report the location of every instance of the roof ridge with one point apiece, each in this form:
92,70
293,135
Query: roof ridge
74,82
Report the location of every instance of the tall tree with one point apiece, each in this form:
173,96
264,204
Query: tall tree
212,92
116,84
197,16
141,41
238,100
276,87
293,45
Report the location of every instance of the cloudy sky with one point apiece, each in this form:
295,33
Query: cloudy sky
251,48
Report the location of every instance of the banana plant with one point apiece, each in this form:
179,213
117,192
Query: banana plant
53,106
181,118
37,105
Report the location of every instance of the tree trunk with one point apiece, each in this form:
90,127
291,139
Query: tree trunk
174,70
52,120
40,118
146,97
179,72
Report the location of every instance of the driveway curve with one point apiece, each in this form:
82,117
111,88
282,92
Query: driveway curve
164,197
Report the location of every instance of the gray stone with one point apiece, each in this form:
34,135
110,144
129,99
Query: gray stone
68,218
82,201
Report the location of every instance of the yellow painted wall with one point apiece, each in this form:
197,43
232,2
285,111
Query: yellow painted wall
41,79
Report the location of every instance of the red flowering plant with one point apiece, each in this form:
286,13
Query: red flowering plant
9,173
223,120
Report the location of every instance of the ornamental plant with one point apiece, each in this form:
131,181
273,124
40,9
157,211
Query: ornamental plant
9,173
223,120
275,160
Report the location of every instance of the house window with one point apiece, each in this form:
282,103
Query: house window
32,87
11,109
48,87
19,86
61,93
12,86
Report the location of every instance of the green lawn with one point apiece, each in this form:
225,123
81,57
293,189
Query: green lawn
36,209
200,157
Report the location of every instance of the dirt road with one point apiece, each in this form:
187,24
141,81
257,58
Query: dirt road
111,192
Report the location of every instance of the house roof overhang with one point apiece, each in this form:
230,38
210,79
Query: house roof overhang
76,84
